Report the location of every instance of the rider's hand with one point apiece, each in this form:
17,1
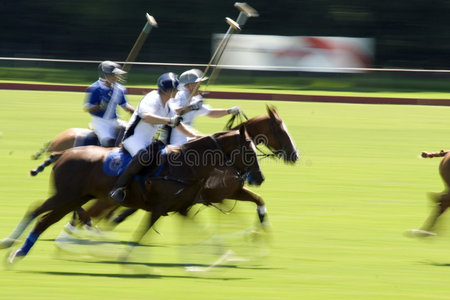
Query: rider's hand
175,121
235,110
103,105
196,106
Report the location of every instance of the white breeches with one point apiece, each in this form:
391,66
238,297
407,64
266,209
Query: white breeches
104,129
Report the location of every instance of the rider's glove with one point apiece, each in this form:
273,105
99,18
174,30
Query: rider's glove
175,121
103,105
196,106
234,110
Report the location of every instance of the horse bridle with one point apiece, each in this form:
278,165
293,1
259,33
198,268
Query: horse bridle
241,173
275,153
277,138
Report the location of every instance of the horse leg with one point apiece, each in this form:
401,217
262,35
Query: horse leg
46,221
245,194
140,233
122,216
26,221
100,209
443,202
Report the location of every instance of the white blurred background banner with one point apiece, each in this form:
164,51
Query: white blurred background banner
296,53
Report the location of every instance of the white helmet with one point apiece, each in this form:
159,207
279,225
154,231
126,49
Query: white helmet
191,76
108,67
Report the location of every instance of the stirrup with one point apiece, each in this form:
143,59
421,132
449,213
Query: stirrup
118,195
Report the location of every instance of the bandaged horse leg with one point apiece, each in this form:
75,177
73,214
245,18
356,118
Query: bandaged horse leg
20,228
47,220
247,195
24,223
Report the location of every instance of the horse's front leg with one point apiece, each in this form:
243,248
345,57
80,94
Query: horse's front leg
139,234
246,194
442,202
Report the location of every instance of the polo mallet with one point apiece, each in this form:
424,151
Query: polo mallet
235,28
151,22
245,12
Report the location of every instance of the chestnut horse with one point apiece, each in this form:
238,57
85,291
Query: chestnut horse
76,137
442,200
78,177
269,130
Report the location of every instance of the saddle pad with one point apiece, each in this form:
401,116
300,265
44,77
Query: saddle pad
116,161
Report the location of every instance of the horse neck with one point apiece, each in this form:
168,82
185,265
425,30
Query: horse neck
207,148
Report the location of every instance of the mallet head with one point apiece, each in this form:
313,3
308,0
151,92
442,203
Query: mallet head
246,9
233,24
151,20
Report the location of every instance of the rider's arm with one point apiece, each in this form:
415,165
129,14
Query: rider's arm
217,113
154,119
93,101
129,108
188,130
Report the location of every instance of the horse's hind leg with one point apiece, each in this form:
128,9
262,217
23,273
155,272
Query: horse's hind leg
47,220
26,221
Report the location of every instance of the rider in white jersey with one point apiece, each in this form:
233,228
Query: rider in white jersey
153,112
102,100
188,82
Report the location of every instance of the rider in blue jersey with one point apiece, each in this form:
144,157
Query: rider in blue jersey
102,100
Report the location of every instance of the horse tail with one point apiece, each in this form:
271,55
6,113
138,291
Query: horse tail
41,151
53,157
434,154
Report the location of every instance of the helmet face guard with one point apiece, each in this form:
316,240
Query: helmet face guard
167,82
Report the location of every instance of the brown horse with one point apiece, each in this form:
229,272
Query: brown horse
75,137
442,200
269,130
78,177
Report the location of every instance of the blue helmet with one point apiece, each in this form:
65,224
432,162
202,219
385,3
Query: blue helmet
167,81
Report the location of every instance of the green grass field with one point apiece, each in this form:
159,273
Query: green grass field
338,215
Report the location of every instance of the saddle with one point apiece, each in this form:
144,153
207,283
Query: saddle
116,161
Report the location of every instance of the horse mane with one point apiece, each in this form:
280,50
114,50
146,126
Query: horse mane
249,121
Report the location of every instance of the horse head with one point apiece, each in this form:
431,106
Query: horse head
277,138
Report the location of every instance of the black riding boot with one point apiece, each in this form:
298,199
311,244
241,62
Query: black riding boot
144,158
118,193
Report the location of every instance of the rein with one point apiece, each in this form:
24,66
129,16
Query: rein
238,119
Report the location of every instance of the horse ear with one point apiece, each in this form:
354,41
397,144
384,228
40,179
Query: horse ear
272,111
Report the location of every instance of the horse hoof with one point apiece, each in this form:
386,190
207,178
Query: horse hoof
6,243
419,233
14,256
